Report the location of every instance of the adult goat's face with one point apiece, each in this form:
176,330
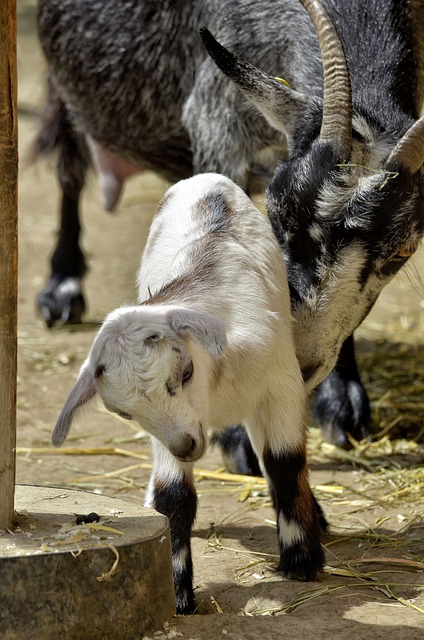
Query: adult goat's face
345,231
347,204
150,365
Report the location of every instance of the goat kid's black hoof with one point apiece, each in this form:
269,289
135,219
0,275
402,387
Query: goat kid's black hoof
301,565
61,301
184,604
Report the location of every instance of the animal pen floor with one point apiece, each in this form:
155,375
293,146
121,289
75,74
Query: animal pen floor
372,496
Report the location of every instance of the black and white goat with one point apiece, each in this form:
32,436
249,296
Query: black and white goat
209,344
131,81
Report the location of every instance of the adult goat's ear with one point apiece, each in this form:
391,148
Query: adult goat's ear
206,329
83,390
282,106
279,104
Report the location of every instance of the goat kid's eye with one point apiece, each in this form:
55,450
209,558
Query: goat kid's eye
153,338
188,373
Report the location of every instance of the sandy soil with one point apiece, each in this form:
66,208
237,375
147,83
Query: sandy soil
370,588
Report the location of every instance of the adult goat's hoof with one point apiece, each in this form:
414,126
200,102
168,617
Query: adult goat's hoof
341,406
61,301
237,452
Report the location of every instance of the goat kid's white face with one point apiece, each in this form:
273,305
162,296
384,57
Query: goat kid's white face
152,367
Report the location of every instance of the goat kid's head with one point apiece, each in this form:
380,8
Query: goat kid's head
346,206
150,364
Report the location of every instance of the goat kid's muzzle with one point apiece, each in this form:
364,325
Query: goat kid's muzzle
188,448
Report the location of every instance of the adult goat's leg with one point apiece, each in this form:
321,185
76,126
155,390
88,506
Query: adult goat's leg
237,452
171,492
62,298
341,404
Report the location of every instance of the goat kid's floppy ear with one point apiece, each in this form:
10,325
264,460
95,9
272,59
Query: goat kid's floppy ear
83,390
278,103
207,330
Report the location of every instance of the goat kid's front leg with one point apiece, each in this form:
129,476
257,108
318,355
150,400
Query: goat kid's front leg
299,518
278,436
171,492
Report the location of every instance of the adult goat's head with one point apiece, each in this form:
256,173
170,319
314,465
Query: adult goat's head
346,206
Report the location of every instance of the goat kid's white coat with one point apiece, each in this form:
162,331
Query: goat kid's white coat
209,345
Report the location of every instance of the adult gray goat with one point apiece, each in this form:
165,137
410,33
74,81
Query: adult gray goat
132,87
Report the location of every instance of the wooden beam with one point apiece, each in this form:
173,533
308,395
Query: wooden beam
8,257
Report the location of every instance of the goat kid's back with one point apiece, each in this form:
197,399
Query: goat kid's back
209,239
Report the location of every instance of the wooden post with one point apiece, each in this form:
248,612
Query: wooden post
8,257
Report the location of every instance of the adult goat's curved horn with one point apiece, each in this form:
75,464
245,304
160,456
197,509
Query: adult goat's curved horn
409,151
336,127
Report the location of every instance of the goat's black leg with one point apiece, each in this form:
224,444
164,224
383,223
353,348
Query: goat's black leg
299,517
341,403
239,457
62,298
172,492
278,436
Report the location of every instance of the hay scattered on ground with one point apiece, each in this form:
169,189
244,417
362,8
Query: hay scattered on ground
383,481
391,361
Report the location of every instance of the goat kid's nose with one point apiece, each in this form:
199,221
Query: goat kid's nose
187,448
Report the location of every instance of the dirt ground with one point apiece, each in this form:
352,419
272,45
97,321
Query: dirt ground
372,585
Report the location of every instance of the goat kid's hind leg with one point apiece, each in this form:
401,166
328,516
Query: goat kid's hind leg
171,492
62,298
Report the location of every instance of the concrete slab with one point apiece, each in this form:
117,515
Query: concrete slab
110,578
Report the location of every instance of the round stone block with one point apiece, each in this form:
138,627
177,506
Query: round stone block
107,578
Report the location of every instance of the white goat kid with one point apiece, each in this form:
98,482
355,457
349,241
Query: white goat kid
210,344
